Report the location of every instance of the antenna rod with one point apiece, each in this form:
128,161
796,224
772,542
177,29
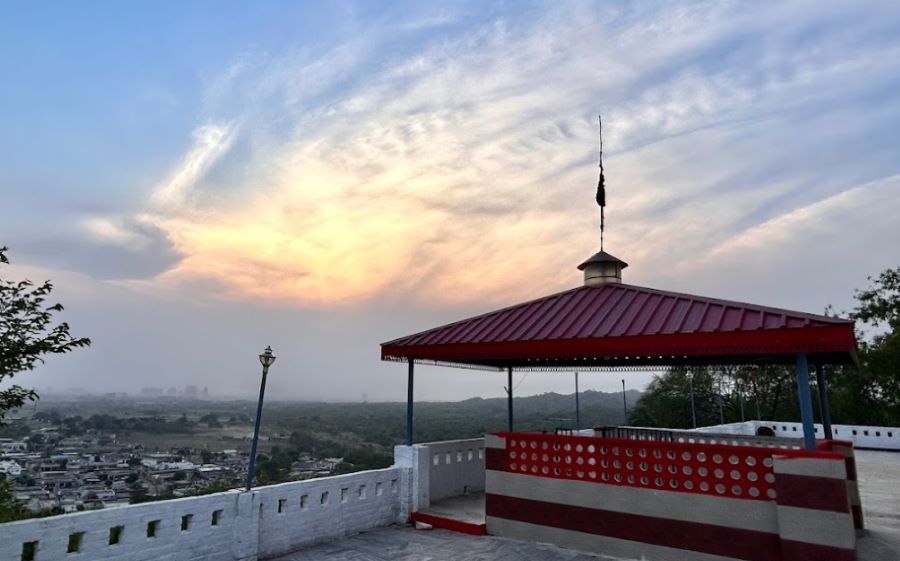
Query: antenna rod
601,184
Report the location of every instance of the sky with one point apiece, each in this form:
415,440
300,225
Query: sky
202,179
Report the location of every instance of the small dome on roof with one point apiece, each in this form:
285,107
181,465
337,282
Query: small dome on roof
602,257
602,268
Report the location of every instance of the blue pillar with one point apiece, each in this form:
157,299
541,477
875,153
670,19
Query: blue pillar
409,405
806,410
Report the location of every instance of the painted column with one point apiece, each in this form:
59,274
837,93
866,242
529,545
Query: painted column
823,401
409,405
806,410
509,397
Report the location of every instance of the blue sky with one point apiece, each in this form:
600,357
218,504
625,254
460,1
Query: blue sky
205,178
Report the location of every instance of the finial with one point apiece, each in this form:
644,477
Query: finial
601,184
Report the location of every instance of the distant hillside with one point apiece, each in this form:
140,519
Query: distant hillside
384,423
379,424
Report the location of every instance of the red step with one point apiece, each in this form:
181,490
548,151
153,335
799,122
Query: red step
443,523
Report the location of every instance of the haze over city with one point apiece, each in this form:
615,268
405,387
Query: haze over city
203,180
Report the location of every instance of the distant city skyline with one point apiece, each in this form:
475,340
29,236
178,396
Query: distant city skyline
203,180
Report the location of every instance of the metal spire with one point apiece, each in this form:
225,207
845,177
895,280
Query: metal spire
601,184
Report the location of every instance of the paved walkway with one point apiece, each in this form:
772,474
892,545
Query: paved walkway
879,489
405,544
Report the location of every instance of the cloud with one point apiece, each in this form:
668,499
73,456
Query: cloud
121,247
461,168
415,170
210,143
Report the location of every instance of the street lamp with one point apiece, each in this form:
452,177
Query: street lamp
266,359
693,409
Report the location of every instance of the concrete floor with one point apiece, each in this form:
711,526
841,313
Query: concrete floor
879,480
468,508
879,489
405,544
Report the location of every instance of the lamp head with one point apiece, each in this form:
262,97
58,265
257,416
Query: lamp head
267,358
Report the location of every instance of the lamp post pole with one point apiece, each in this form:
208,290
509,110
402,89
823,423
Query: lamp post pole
577,406
693,408
624,403
266,359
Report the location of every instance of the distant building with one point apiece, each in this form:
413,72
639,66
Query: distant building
191,392
151,392
9,446
10,467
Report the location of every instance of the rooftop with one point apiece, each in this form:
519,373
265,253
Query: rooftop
616,324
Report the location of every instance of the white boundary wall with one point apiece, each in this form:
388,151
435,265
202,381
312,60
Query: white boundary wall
456,468
439,470
871,437
266,522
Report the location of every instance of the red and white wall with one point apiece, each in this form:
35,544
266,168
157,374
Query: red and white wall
669,501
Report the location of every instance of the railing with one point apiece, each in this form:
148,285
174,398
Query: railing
862,436
635,433
735,471
697,437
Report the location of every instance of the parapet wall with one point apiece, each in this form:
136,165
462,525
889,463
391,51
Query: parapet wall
229,526
293,515
456,468
442,469
669,501
862,436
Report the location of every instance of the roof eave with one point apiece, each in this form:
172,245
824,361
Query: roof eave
831,344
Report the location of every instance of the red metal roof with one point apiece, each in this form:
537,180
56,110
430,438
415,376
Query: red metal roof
618,324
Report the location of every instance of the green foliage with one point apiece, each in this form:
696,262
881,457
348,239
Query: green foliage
138,493
880,304
275,467
10,508
27,334
871,394
727,394
109,423
14,430
211,420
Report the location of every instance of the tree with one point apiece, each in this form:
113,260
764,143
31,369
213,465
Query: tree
207,457
871,393
10,508
666,402
27,334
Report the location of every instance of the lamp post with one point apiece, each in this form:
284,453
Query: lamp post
577,406
693,408
266,359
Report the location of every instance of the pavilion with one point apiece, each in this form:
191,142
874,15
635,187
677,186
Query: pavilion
606,324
